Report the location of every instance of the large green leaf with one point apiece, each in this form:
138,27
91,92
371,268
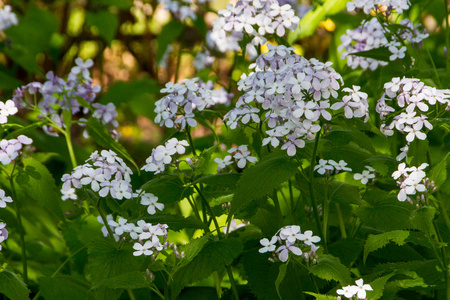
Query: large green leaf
65,287
214,256
12,286
102,137
329,267
439,172
105,22
40,185
262,179
321,297
130,280
108,259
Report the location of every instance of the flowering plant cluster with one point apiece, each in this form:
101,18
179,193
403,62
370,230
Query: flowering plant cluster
411,181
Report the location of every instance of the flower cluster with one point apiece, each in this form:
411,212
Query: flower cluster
203,60
367,174
183,9
3,233
3,200
381,5
412,97
105,173
254,18
7,18
291,94
149,200
358,290
371,35
177,109
291,240
149,239
74,95
162,155
7,108
328,166
411,181
10,149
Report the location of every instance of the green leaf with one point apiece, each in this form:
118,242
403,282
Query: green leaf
170,32
175,222
130,280
281,275
214,256
312,19
102,137
108,259
383,211
341,137
321,297
106,23
7,81
378,287
203,160
128,91
422,219
262,179
168,188
329,267
343,193
41,186
65,287
381,53
375,242
12,286
439,172
193,248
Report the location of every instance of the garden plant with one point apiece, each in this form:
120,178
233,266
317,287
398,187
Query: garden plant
196,149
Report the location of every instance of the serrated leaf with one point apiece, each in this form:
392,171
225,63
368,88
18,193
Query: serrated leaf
375,242
213,257
329,267
439,172
321,297
106,23
378,287
262,179
193,248
108,259
102,137
168,188
12,286
43,188
343,193
65,287
175,222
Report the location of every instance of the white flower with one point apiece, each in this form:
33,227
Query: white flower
364,176
151,200
361,288
223,163
145,249
268,245
4,199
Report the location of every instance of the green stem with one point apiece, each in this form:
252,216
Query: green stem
233,283
157,292
20,224
341,221
276,202
443,210
67,136
291,195
130,294
325,206
312,190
